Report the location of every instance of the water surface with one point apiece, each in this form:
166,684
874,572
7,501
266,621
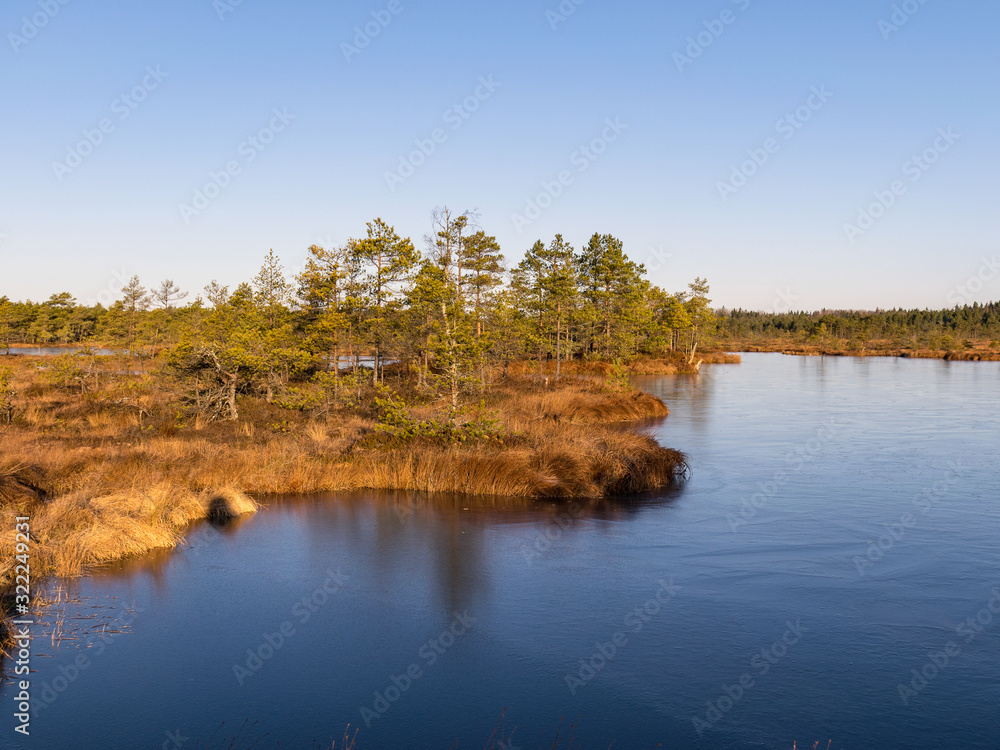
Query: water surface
752,608
55,351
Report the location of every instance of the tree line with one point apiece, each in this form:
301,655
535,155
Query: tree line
453,312
937,329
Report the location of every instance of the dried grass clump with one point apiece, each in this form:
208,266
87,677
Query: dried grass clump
316,432
78,530
20,484
564,464
577,402
227,504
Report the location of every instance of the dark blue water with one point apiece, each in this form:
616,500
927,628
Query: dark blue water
754,608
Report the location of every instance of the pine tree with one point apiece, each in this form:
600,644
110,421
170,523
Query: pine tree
430,289
321,291
697,306
135,298
484,265
387,260
272,290
527,280
7,322
614,291
559,281
167,293
217,294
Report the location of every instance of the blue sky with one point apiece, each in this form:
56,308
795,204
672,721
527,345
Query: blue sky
555,79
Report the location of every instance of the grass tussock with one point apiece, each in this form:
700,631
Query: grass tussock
577,402
104,477
82,529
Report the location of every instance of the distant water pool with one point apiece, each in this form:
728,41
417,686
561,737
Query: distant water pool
54,351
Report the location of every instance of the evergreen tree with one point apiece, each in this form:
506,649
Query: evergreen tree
614,291
272,292
698,308
135,298
387,259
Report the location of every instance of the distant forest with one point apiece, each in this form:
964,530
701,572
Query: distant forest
932,329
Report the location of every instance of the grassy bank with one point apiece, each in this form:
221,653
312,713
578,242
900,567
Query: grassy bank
117,467
970,351
674,363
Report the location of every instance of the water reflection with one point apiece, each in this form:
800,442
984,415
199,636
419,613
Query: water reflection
392,528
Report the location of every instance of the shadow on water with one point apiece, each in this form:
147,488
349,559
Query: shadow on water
455,520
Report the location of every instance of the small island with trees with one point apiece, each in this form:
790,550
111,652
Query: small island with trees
377,366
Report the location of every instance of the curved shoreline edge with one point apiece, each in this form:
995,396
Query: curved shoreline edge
108,492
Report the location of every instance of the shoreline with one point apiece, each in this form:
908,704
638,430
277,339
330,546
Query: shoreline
810,350
103,482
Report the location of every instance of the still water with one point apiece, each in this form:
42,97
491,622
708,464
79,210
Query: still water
840,528
54,351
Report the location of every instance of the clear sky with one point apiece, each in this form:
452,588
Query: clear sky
693,91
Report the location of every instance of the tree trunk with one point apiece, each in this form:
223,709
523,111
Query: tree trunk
233,415
558,326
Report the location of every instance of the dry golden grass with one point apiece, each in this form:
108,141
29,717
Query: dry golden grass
316,432
101,484
579,403
83,528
